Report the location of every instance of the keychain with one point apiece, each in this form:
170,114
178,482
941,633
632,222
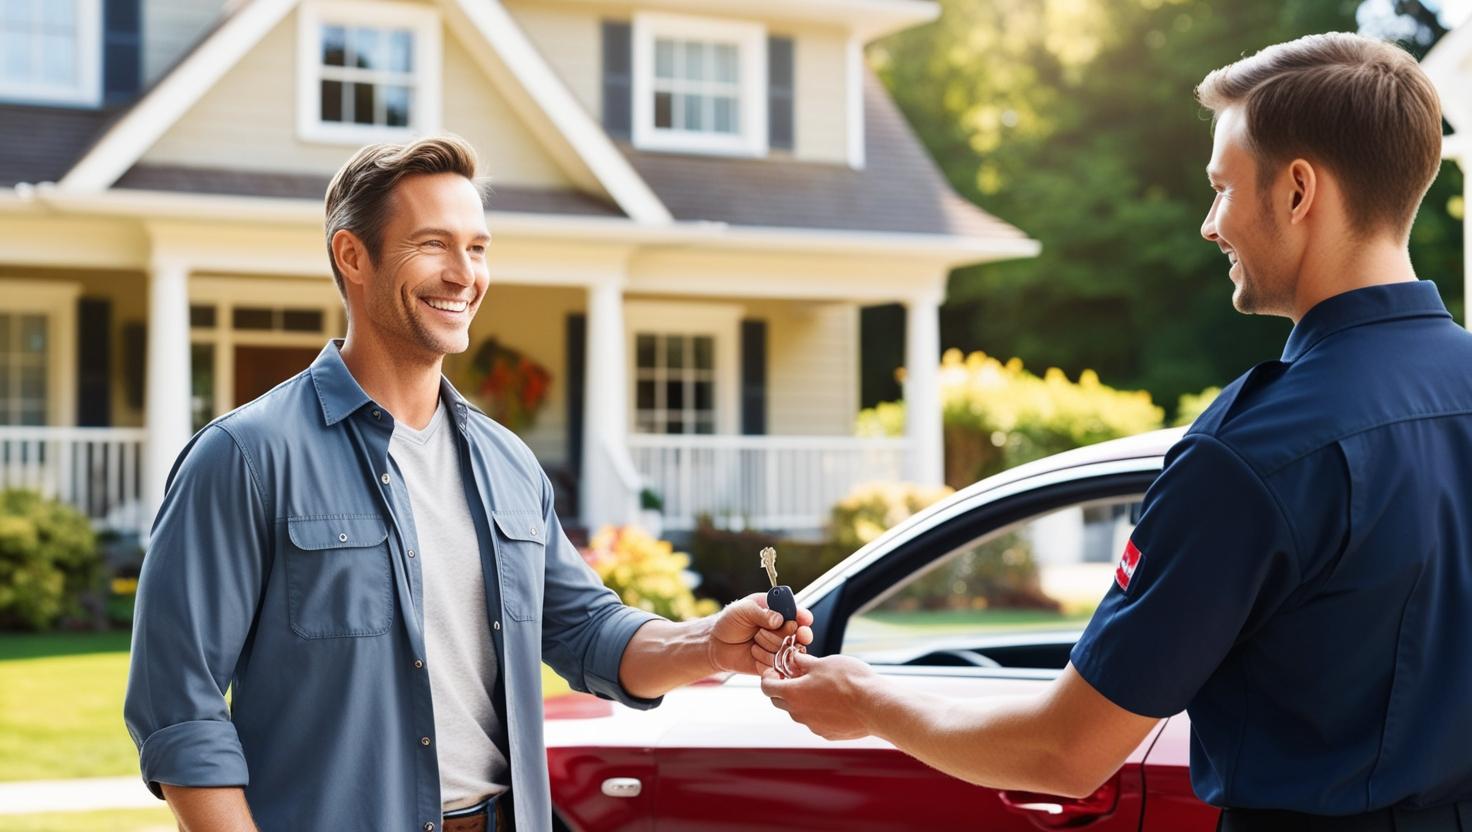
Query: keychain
780,600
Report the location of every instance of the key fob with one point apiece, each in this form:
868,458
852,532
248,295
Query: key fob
781,600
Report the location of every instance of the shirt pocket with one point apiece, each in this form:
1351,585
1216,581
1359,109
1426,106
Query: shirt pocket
338,581
521,562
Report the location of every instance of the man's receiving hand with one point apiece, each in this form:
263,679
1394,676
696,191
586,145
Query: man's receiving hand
827,695
746,635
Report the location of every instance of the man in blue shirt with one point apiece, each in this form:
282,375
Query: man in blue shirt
361,556
1301,578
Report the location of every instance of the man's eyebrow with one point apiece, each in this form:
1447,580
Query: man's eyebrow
430,231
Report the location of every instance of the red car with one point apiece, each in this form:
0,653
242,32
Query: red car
718,755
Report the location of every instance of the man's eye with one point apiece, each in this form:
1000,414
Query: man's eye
434,243
478,249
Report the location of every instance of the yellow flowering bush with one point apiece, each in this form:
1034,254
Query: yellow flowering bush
1193,405
646,573
872,508
998,415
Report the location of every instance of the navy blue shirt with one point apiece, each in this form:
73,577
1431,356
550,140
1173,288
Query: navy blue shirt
283,565
1301,579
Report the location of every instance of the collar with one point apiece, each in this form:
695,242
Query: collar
1370,305
340,394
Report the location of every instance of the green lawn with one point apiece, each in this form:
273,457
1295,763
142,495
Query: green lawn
119,820
61,707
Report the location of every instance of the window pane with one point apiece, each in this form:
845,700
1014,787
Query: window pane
202,383
15,56
59,60
301,320
33,382
401,50
704,352
202,317
691,115
33,414
4,337
365,48
396,106
644,351
646,423
664,58
33,334
363,108
16,14
253,317
332,101
664,105
704,395
674,425
59,15
644,395
706,426
674,352
334,45
7,379
726,65
725,117
674,394
694,61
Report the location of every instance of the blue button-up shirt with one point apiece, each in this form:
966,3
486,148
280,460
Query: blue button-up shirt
282,565
1303,582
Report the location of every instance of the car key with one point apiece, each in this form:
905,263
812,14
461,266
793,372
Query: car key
781,601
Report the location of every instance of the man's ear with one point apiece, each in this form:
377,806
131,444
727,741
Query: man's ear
1305,182
351,256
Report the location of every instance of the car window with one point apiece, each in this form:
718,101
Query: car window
1014,597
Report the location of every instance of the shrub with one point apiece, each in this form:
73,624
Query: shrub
729,562
48,560
646,573
873,508
1192,405
998,574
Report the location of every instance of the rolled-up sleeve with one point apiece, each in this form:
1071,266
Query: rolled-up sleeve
585,627
197,597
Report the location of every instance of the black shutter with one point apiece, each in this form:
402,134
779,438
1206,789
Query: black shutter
135,346
94,369
780,84
122,49
577,356
618,78
753,378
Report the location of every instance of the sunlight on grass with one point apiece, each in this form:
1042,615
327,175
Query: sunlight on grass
119,820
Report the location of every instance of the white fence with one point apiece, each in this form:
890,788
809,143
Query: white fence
762,482
97,470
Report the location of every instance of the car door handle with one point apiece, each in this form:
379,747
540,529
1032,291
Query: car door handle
1054,812
622,787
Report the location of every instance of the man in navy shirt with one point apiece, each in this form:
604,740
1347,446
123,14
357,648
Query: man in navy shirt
1301,578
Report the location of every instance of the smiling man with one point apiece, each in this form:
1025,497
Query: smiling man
374,567
1301,577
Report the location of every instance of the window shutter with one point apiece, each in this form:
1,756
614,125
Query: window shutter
780,98
753,378
94,364
618,78
122,49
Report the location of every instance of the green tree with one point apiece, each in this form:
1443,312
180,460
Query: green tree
1075,120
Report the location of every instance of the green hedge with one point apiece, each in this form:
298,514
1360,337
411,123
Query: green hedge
48,561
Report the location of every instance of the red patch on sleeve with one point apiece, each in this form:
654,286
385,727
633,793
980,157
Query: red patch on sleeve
1127,565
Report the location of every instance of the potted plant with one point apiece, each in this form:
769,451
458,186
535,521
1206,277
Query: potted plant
651,508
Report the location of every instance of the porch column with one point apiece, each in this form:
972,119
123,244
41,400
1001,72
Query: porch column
922,389
605,498
166,396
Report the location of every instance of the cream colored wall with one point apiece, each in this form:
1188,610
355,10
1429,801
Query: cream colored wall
247,121
171,28
533,320
569,36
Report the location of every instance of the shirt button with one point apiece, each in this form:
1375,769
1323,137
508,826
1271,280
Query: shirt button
428,827
378,414
495,625
424,741
533,531
418,664
342,538
384,479
411,553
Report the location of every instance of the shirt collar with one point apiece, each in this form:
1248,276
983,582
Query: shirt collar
341,395
1370,305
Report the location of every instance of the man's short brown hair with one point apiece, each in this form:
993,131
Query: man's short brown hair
357,199
1361,108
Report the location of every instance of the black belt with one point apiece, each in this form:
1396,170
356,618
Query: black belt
1456,817
490,815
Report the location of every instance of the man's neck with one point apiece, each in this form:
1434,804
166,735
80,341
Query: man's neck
1347,268
404,382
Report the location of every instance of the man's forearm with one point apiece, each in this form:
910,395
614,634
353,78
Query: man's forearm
664,655
209,809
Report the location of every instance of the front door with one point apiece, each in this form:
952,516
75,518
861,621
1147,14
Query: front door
258,369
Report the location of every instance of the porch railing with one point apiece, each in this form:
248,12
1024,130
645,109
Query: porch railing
96,470
762,482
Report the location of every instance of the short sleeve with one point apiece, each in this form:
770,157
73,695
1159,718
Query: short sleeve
1212,556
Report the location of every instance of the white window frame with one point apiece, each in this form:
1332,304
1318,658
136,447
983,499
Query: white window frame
88,90
720,321
751,43
56,301
424,112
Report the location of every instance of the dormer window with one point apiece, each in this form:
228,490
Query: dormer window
699,85
50,51
368,72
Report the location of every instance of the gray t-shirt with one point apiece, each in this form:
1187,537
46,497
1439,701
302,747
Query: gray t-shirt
457,635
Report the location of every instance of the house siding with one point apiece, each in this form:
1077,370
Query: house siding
248,120
568,38
812,366
171,28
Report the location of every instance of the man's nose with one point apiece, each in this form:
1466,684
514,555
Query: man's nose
1208,225
461,271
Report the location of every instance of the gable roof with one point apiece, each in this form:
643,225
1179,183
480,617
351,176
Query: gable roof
41,143
124,143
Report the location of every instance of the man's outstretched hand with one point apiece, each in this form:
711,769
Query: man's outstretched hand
746,635
827,695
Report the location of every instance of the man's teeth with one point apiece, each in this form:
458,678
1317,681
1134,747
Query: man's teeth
447,305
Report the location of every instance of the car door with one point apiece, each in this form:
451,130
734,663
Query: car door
983,603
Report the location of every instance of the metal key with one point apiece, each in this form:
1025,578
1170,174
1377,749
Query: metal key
781,600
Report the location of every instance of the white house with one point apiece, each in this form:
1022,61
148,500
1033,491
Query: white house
692,200
1449,66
